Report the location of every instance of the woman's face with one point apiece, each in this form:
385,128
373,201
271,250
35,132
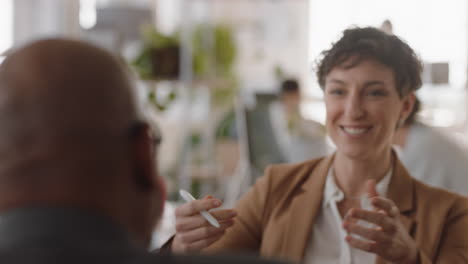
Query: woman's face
363,108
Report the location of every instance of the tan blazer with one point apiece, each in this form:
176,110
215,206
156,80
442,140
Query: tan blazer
275,218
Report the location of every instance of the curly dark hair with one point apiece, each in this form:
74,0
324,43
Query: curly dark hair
371,43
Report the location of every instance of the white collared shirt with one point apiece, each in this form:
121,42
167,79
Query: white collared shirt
327,243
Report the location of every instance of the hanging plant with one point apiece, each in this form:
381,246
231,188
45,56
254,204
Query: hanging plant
159,59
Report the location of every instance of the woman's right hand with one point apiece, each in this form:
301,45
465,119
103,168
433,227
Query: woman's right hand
193,232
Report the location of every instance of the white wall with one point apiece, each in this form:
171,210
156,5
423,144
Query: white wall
44,18
269,33
436,30
6,25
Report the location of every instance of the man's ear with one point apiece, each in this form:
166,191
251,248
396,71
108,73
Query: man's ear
408,104
142,153
149,185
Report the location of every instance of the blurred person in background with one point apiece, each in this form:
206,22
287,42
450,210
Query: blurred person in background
428,154
299,139
431,156
359,205
78,181
387,27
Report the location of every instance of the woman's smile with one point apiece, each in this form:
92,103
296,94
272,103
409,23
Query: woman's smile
356,131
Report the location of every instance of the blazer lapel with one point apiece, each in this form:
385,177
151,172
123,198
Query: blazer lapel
304,208
401,192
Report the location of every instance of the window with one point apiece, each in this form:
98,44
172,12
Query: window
6,26
87,13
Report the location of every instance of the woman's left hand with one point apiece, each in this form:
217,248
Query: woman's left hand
388,238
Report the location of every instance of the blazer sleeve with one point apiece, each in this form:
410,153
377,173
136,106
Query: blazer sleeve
246,233
453,246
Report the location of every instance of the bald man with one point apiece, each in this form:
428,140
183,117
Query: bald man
78,182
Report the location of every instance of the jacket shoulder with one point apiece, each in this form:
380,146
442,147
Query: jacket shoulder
440,200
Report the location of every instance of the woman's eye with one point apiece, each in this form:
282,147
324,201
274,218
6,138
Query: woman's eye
337,91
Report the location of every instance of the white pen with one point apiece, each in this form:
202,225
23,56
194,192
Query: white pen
188,198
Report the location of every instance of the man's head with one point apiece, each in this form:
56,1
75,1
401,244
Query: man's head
387,27
358,44
290,94
71,136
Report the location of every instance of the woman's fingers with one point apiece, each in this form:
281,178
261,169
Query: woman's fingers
193,231
371,234
369,246
195,221
224,214
380,219
386,205
389,238
201,244
371,188
194,207
204,232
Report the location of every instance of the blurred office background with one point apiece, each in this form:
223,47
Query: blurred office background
208,71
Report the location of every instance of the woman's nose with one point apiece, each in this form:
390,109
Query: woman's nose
354,108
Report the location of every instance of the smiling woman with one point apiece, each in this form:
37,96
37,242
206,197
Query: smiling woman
359,205
368,78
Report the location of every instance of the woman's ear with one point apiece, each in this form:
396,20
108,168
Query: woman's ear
408,104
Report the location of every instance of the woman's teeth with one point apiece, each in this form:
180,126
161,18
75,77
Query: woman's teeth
354,131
